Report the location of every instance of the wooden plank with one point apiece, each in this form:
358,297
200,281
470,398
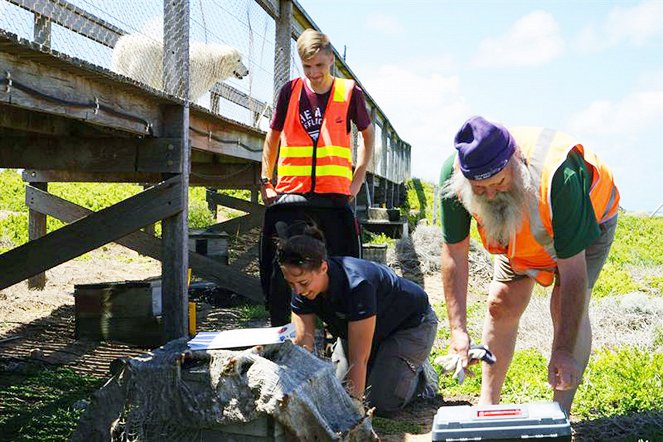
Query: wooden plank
236,203
89,233
90,154
73,18
229,277
48,87
240,225
215,136
74,176
242,99
35,122
234,176
37,229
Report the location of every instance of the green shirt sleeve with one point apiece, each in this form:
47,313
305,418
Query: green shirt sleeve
573,221
455,219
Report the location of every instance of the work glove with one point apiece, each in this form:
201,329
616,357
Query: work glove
452,363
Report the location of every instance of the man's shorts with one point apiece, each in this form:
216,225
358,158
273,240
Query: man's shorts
595,256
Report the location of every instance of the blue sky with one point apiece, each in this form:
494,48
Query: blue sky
593,69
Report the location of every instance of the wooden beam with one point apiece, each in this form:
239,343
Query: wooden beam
213,135
242,99
73,176
90,154
53,86
236,203
225,276
73,18
240,225
89,233
232,176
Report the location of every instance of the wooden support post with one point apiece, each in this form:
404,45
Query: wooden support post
175,230
37,229
283,45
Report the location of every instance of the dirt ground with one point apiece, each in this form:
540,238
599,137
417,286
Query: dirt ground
40,325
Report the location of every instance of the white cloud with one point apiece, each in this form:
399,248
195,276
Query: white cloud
425,108
628,135
635,25
532,41
385,24
631,115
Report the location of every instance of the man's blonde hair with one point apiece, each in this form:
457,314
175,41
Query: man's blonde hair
311,42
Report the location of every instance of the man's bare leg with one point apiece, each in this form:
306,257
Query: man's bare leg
581,350
506,303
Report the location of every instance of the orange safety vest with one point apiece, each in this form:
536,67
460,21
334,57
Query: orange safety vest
325,166
531,250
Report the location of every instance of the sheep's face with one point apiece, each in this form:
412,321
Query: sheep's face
240,70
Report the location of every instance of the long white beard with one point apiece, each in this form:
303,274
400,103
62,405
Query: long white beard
502,216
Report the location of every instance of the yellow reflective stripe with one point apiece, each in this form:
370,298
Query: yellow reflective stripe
340,88
294,171
334,151
333,170
296,151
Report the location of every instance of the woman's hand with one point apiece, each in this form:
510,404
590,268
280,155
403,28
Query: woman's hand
305,330
360,341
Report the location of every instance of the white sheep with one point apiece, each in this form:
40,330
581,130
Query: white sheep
140,57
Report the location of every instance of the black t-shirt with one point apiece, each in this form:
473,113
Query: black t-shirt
359,289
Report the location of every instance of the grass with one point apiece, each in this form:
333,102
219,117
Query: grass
617,382
36,402
93,196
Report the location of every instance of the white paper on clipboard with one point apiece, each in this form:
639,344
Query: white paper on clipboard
245,337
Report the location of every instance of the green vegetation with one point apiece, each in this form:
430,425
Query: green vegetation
252,312
376,238
37,401
419,204
93,196
616,382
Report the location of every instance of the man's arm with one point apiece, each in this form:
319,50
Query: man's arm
270,150
305,328
364,154
454,282
360,341
564,371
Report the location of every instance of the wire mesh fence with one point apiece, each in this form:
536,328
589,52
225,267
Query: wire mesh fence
237,61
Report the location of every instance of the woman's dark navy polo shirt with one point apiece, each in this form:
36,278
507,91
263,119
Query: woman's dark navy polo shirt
359,289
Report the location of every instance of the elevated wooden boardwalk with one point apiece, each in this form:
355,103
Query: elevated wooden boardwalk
63,119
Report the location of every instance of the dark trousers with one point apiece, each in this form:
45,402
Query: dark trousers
337,222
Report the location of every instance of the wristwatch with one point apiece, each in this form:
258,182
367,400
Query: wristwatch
264,181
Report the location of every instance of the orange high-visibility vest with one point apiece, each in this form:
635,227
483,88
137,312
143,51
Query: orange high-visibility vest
325,166
531,250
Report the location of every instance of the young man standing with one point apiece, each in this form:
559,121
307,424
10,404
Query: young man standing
310,134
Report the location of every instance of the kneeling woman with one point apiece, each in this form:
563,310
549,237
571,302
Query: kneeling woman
385,323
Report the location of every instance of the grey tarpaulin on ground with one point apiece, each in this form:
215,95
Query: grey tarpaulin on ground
173,394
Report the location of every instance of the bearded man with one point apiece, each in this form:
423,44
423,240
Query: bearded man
547,208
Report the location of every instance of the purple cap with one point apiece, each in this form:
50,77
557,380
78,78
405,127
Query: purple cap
483,147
